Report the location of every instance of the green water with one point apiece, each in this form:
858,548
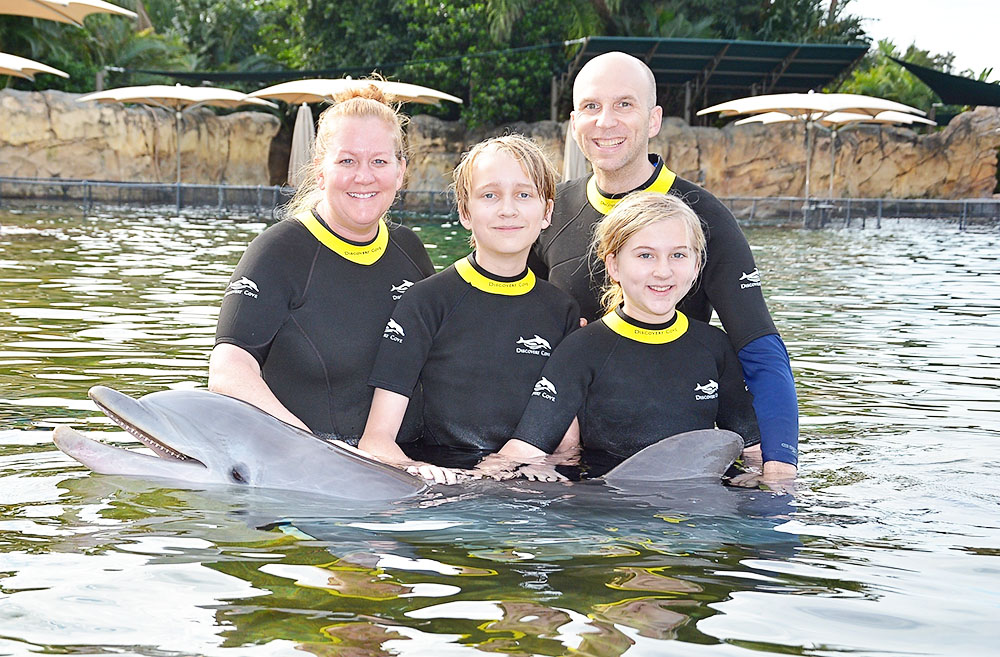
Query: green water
889,547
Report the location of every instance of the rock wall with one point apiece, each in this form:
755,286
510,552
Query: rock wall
48,134
959,161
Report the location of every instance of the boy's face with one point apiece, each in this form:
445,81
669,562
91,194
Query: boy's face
505,211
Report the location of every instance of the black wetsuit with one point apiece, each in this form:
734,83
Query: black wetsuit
476,343
729,282
633,384
311,307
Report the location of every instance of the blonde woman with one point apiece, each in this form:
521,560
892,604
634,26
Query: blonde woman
644,371
304,312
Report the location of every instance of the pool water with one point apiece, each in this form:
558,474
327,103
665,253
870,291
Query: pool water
889,546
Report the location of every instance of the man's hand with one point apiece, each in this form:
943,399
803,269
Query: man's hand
768,475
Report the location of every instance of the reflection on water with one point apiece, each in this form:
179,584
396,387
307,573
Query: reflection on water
889,546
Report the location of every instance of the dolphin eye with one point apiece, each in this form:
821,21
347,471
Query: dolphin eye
239,474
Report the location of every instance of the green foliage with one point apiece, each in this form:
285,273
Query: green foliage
880,76
103,41
497,87
491,53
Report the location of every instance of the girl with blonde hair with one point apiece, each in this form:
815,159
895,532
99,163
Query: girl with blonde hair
644,371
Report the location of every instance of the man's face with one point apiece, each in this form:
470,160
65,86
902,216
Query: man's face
612,119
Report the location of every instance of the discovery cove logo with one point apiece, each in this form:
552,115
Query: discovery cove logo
397,290
709,390
394,331
752,279
545,389
244,286
536,346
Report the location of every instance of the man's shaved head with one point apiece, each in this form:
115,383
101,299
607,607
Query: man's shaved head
618,64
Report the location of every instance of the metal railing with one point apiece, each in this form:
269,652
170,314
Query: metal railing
263,202
250,201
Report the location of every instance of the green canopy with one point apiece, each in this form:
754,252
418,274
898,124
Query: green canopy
954,89
712,71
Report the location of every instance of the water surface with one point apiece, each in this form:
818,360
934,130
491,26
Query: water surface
890,546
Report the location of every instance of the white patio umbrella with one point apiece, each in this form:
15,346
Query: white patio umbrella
320,90
303,138
178,99
64,11
25,68
809,108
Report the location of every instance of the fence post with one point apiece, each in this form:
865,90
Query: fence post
878,223
965,211
178,197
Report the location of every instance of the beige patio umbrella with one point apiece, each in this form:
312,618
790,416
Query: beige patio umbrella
25,68
178,99
320,90
303,138
809,108
838,121
64,11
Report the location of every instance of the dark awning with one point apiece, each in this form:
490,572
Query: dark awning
954,89
716,70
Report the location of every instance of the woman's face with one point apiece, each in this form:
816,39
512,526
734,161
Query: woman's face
359,176
655,267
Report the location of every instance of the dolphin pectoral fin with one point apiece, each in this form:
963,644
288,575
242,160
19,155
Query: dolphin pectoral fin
702,453
106,459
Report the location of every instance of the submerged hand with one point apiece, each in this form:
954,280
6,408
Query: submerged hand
497,467
540,472
434,474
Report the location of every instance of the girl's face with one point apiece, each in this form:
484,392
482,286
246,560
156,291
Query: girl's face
505,210
359,177
655,268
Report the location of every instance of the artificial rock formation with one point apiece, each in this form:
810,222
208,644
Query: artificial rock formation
49,135
959,161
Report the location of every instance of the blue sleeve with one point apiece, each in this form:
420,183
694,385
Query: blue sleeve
768,374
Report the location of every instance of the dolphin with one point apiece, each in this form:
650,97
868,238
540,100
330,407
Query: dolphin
204,437
201,437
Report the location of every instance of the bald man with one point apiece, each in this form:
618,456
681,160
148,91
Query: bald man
614,116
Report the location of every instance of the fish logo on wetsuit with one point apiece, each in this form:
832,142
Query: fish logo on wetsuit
545,389
710,390
537,346
394,331
243,286
753,279
398,290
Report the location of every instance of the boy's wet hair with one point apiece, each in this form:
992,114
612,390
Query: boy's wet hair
537,167
633,213
363,101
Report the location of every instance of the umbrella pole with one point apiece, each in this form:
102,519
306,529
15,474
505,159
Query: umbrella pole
833,158
808,157
177,135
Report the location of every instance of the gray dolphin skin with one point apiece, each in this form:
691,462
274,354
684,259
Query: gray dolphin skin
201,437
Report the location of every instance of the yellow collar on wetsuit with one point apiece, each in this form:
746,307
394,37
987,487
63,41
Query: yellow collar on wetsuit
627,329
661,181
474,277
362,254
